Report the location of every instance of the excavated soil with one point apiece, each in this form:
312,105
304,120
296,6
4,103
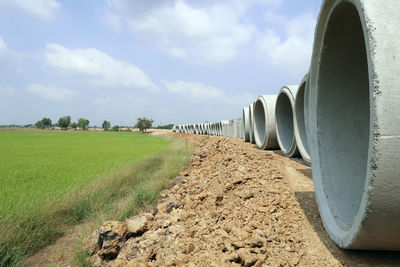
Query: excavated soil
235,206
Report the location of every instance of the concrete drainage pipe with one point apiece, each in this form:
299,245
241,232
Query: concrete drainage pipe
264,122
355,122
284,113
251,124
300,117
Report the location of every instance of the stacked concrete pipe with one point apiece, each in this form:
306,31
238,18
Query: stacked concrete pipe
213,129
284,117
264,122
355,123
251,124
240,128
301,119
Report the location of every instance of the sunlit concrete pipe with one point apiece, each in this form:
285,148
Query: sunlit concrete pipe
300,116
264,122
213,132
251,124
355,122
240,130
229,129
223,128
284,118
205,130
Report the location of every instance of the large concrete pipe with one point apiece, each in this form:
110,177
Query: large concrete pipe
284,117
264,122
355,122
300,117
251,124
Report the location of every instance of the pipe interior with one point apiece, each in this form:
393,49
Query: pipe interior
259,120
284,121
300,117
343,114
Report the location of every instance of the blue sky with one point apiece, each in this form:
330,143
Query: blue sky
175,61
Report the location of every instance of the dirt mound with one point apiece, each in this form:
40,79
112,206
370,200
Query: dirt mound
237,206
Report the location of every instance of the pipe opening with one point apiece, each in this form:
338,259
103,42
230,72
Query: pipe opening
259,121
343,114
284,121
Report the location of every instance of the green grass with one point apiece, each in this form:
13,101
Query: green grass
38,166
50,180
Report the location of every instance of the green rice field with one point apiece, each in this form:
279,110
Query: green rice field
52,180
38,166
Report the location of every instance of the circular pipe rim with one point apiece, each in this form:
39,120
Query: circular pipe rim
288,92
300,125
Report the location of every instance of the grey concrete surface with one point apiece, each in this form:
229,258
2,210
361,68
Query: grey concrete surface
264,122
300,108
284,117
354,127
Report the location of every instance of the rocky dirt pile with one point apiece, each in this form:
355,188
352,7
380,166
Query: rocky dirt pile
236,206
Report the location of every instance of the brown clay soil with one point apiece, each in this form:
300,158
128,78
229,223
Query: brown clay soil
235,206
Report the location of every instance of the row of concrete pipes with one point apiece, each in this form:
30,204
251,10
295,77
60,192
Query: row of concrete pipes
344,118
230,128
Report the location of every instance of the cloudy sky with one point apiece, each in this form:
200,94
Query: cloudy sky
175,61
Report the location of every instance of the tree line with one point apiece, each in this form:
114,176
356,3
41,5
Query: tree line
143,124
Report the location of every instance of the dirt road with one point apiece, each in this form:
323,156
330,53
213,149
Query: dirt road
236,206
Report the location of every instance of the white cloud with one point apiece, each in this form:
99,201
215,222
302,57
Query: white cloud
7,90
210,32
43,9
3,45
101,69
194,90
293,52
50,91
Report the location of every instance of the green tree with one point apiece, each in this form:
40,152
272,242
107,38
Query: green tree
43,123
143,124
39,124
64,122
115,128
83,123
74,125
106,125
